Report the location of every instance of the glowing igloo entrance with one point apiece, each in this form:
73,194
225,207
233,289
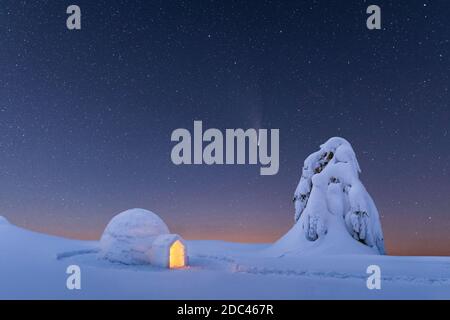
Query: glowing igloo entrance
177,257
169,251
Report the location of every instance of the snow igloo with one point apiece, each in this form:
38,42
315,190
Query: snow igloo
139,236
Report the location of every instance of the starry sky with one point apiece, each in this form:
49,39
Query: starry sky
86,116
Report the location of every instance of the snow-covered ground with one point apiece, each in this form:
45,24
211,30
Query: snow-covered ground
337,235
33,266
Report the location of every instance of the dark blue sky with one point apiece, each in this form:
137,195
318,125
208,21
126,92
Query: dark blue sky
86,116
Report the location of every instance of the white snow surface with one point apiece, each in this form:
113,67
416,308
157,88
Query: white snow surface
336,237
129,236
334,213
33,266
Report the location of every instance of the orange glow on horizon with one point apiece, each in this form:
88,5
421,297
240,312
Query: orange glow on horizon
410,246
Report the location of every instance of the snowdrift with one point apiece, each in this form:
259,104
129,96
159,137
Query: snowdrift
334,214
3,221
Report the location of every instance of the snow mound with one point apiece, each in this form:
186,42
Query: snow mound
4,221
128,237
334,213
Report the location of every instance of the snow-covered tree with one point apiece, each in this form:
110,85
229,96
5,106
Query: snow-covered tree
332,206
